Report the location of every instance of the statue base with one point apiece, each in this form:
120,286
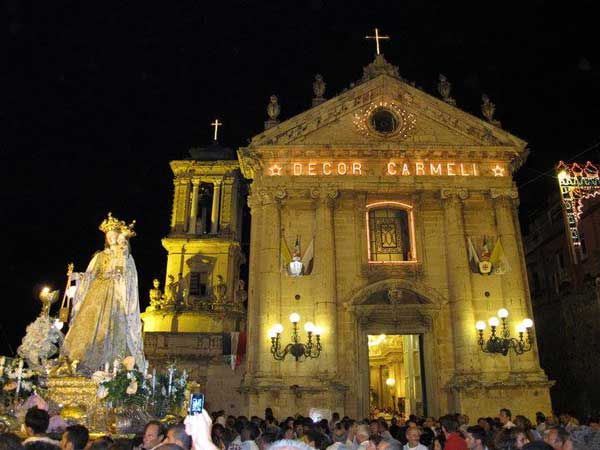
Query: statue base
77,399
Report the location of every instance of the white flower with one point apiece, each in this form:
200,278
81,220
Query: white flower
26,385
163,391
132,388
102,392
130,376
100,377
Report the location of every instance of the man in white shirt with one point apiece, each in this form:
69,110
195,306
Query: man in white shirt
412,436
362,437
505,418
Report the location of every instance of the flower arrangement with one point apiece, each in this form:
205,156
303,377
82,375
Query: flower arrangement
16,380
124,386
169,391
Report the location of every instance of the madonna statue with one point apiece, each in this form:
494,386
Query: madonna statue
105,322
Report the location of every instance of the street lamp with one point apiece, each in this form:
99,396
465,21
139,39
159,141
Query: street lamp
501,342
296,348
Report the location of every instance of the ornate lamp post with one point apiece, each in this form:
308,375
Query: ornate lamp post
500,341
296,348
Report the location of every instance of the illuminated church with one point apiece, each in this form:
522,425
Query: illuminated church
383,228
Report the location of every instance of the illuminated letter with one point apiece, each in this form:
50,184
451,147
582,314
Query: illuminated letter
462,171
405,170
311,169
420,167
450,168
356,167
391,168
435,170
475,170
326,168
297,169
342,169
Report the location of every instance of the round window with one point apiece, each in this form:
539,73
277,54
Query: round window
384,121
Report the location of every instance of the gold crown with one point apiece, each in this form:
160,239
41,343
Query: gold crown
114,224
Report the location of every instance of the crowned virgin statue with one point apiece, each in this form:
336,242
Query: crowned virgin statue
105,322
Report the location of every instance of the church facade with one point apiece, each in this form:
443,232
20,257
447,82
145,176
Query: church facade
368,212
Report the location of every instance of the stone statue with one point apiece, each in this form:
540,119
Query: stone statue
220,290
273,109
105,323
171,292
156,295
319,86
444,88
180,292
394,296
240,296
488,109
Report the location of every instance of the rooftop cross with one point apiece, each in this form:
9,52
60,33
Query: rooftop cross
377,37
216,124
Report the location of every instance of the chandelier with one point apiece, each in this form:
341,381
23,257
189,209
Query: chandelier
296,348
500,341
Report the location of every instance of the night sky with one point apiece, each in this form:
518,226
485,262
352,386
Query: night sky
99,96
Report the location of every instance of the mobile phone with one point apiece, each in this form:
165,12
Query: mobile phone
196,403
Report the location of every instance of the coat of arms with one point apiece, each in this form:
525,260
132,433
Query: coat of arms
486,263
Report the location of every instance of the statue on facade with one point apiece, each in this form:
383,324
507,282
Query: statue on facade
171,291
156,296
105,321
273,108
319,86
444,88
220,291
241,296
488,109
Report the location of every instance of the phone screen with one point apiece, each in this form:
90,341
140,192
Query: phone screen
196,403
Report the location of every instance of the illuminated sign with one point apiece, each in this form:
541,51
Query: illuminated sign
396,168
576,183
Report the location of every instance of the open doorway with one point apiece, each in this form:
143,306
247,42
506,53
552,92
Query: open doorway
396,378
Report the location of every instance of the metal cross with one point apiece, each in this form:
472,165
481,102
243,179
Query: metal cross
377,38
216,124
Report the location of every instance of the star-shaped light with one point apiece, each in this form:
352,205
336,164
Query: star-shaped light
275,169
498,171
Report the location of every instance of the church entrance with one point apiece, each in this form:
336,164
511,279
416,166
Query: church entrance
396,374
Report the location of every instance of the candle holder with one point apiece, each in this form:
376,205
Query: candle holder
500,341
312,349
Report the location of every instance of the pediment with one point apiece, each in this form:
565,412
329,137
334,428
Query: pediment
427,122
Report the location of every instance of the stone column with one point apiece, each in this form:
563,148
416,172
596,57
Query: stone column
459,283
513,282
180,204
216,203
194,206
325,271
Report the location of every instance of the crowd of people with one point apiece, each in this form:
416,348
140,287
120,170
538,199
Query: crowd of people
220,432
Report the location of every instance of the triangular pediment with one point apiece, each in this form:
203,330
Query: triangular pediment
424,121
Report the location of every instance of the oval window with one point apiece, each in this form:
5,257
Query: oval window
384,121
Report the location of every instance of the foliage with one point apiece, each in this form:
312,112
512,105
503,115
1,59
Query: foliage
165,402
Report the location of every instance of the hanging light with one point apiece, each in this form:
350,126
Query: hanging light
296,348
500,341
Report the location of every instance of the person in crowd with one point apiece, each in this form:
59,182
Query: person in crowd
476,438
540,421
121,444
176,435
153,436
36,424
101,443
525,424
413,436
362,436
454,441
558,438
10,441
75,437
585,438
394,428
537,445
236,443
288,433
438,442
290,445
339,436
218,435
505,418
384,432
317,440
249,435
266,439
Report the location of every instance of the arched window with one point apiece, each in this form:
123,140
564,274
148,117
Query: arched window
390,230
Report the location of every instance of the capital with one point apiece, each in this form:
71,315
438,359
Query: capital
504,193
452,196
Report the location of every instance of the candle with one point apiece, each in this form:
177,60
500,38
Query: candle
106,366
19,375
115,366
146,364
171,370
153,379
2,361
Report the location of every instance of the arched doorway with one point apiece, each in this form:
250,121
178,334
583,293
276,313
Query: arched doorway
407,313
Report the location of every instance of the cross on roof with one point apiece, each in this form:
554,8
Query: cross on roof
377,37
216,124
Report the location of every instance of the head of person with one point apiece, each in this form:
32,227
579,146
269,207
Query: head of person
266,439
475,437
429,422
557,437
335,417
523,422
374,427
374,441
316,439
483,423
101,443
10,441
540,417
362,433
510,439
75,437
340,433
250,432
438,442
153,434
289,433
412,436
285,444
269,413
504,416
36,421
176,435
449,424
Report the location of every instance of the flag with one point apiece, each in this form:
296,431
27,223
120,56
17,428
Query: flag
286,257
307,259
241,348
473,258
499,260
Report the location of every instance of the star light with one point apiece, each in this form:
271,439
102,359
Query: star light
275,169
498,171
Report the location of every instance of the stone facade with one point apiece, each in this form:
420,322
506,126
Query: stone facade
566,303
322,176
